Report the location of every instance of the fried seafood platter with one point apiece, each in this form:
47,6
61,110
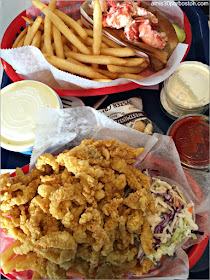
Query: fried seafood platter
87,213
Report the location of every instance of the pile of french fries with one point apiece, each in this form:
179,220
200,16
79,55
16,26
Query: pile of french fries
70,47
9,259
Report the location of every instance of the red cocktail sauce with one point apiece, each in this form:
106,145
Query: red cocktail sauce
191,137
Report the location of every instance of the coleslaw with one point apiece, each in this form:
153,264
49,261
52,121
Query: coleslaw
172,224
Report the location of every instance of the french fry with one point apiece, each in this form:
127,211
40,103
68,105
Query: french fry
66,48
48,30
104,39
73,68
79,22
36,42
135,61
89,32
19,37
90,49
126,69
96,59
74,49
72,60
64,40
109,42
42,39
52,5
97,27
10,265
102,71
102,80
118,52
61,26
42,47
74,32
21,42
30,21
69,48
160,54
108,73
144,65
36,275
104,45
53,47
89,42
8,254
32,31
71,23
58,42
69,45
130,76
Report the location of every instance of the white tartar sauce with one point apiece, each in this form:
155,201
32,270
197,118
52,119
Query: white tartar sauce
19,104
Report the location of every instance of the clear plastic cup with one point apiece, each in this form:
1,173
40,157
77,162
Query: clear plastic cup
191,137
186,91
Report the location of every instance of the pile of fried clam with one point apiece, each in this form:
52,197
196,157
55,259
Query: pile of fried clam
82,211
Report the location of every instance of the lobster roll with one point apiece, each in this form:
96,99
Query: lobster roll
141,26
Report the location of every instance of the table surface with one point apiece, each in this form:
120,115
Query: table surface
199,51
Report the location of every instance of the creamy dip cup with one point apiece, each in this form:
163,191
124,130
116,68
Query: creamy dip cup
19,104
186,91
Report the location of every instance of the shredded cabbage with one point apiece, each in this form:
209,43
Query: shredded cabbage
172,223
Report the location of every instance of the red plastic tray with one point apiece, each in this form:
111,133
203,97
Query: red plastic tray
18,22
196,250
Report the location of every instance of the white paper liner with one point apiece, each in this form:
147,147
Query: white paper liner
31,64
68,127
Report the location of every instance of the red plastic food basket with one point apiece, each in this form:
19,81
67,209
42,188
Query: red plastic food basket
17,26
196,250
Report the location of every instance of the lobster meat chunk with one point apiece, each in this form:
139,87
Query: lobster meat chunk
138,23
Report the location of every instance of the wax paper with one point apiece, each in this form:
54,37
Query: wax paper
30,63
63,129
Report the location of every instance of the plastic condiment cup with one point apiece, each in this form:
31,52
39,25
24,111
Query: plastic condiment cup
19,104
191,137
186,91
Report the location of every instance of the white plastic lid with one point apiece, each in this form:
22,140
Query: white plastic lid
19,104
188,87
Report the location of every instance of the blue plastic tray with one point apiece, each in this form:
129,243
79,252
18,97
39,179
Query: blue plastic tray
199,51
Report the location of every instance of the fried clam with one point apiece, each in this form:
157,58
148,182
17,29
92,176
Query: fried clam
79,213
